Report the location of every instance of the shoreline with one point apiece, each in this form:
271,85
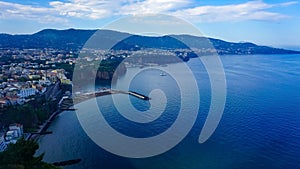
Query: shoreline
85,97
35,136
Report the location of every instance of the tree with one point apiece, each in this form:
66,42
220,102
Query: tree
21,156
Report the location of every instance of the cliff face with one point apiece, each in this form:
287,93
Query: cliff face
108,74
117,69
104,75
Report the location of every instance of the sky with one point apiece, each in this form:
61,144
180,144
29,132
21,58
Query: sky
265,22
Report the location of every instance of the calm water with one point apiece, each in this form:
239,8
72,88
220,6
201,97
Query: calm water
260,127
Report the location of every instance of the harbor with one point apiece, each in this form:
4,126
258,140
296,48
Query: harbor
66,104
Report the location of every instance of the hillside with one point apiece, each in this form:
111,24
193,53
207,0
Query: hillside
75,40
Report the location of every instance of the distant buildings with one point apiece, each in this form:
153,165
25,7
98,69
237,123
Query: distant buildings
26,82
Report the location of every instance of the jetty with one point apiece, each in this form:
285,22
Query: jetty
42,133
138,95
66,102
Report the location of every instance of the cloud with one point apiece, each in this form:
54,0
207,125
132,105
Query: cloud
98,9
252,10
28,12
153,6
288,3
61,12
88,9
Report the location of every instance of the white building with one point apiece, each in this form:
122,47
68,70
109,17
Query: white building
14,133
27,92
3,145
18,128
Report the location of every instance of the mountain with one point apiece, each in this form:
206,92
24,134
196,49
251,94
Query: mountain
48,38
76,39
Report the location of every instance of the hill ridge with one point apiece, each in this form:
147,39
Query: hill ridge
74,39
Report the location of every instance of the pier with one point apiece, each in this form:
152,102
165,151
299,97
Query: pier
66,102
42,133
138,95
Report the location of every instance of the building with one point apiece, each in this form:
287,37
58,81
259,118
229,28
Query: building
3,145
14,133
27,92
17,127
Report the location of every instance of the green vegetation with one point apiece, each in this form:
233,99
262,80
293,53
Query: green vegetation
21,156
103,70
109,65
67,67
30,114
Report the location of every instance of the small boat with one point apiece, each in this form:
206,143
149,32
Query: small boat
163,74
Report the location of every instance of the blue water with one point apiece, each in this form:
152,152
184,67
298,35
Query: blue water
260,127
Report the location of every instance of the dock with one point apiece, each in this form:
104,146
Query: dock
67,102
138,95
42,133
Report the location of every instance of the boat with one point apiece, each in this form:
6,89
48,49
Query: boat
163,74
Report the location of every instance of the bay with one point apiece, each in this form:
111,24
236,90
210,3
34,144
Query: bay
260,127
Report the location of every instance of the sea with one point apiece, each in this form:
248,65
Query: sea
259,128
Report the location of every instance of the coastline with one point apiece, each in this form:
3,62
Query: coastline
88,96
45,126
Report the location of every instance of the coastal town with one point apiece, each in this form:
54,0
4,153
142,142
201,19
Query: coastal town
149,84
27,75
37,84
31,78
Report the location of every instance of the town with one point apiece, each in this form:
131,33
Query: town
25,76
33,81
26,73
